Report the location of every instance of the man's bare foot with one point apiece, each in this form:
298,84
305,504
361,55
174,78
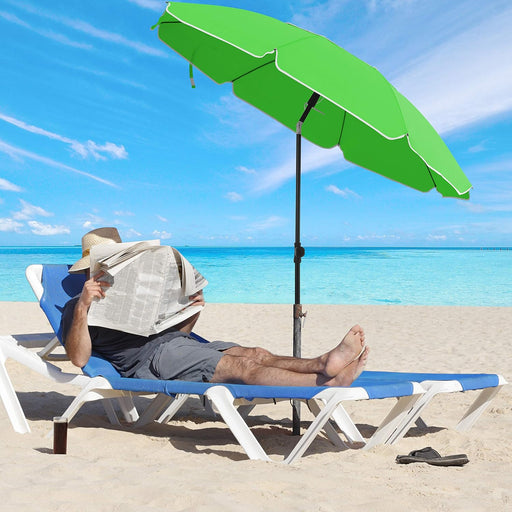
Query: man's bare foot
352,371
340,357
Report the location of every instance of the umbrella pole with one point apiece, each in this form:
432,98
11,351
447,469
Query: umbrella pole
298,254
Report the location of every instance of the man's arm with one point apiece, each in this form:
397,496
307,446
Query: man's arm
187,325
78,341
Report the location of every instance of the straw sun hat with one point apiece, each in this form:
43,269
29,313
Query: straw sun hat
95,237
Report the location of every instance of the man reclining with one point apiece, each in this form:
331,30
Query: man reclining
174,354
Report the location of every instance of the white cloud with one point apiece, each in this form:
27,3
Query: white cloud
234,197
465,79
317,16
436,237
162,219
89,148
122,213
29,211
374,5
98,151
474,207
131,233
162,235
245,170
7,185
271,222
104,74
154,5
239,123
18,153
38,228
478,148
498,166
111,37
499,202
313,158
49,34
92,31
500,226
224,238
10,225
346,192
92,221
493,187
377,237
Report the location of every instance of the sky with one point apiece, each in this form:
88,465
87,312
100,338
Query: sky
99,126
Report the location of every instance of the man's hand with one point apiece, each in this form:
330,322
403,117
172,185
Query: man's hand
93,289
197,299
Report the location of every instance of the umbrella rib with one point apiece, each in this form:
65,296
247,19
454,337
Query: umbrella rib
430,174
342,126
252,70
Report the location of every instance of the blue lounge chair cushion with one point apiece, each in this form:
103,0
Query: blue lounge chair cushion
97,366
468,381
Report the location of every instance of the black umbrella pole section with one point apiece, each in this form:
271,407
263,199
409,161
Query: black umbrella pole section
297,307
298,253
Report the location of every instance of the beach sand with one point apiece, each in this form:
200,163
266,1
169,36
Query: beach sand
194,464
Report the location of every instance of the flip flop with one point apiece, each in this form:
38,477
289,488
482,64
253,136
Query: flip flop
432,457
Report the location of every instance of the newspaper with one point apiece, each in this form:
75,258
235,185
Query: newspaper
146,294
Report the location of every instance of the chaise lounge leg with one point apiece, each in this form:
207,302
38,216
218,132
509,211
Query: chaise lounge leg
98,388
11,402
128,409
309,436
396,423
172,408
329,430
477,408
433,388
223,401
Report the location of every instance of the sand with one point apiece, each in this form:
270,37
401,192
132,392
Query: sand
194,464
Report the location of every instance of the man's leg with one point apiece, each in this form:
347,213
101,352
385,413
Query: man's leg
328,364
337,367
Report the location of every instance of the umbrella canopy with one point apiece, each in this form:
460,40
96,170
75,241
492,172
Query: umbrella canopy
277,67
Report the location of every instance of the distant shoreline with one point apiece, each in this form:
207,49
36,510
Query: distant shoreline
331,275
348,247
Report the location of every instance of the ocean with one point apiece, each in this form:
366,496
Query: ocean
406,276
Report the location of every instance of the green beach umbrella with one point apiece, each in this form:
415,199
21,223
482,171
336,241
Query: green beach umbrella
318,90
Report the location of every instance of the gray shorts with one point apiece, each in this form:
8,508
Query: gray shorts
184,358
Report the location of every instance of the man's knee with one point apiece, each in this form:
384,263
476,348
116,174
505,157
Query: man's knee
259,354
235,369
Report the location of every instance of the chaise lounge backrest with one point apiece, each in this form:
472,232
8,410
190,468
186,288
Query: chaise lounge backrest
58,287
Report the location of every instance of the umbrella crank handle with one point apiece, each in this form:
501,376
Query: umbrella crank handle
298,253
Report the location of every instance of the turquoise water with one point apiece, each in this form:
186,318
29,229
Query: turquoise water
461,277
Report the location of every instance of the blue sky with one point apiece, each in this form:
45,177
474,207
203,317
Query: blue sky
99,126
